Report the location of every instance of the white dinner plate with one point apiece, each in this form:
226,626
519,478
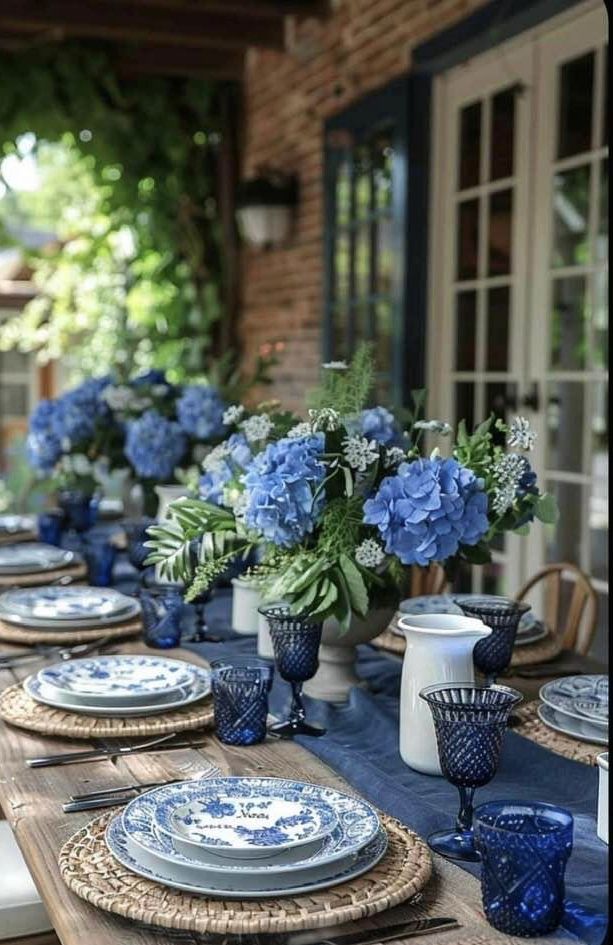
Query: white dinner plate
145,864
29,557
38,607
579,697
446,604
201,688
124,679
14,524
576,728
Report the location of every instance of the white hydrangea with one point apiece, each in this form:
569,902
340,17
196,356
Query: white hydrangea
118,397
325,420
233,414
360,452
257,427
520,435
369,554
394,455
159,390
77,464
214,460
335,366
434,426
238,502
507,473
301,429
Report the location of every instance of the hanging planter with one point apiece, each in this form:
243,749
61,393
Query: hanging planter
265,208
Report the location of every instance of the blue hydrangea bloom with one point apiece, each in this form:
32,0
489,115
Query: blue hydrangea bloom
379,424
155,446
428,509
230,466
200,412
280,483
527,483
43,446
78,410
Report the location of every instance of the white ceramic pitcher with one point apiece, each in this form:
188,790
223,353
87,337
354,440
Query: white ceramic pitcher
439,650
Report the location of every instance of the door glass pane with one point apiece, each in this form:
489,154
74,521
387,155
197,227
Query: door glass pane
343,194
502,146
385,258
339,331
382,171
499,243
14,400
465,404
564,539
468,239
565,424
571,216
362,184
599,494
383,335
602,237
569,329
341,266
497,397
576,85
470,145
600,330
362,261
497,352
466,321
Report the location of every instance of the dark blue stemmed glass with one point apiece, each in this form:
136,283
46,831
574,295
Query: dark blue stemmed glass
240,698
80,509
100,553
524,850
136,536
50,527
493,655
295,643
469,722
162,613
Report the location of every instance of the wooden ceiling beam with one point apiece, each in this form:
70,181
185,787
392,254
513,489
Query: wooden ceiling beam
178,61
253,8
146,25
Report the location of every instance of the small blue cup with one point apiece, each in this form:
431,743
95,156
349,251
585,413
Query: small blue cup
240,694
50,526
80,509
162,614
99,554
524,850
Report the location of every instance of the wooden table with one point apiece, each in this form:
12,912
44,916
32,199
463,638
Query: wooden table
31,800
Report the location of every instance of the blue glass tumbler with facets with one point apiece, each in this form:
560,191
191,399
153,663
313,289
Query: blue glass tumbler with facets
524,850
100,554
80,509
240,699
470,723
50,526
295,643
493,655
162,614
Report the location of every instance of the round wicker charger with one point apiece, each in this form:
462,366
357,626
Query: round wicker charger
531,727
13,537
90,870
11,633
77,571
17,708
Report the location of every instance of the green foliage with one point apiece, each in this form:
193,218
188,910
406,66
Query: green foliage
129,187
347,391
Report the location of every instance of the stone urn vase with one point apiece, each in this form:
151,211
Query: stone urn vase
337,654
246,599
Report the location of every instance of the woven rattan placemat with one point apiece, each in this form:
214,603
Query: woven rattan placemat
10,633
529,655
13,537
77,571
532,728
17,708
89,869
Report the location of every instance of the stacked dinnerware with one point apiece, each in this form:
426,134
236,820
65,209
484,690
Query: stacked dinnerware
33,557
530,629
66,608
244,838
577,706
122,685
16,526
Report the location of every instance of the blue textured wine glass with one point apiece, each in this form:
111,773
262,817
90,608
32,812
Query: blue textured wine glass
50,526
80,509
295,642
492,655
240,697
162,613
136,536
524,850
99,553
469,722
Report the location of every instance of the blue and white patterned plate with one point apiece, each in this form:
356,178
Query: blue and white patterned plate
118,680
146,864
582,729
357,825
445,604
580,698
244,817
14,524
200,688
31,556
66,608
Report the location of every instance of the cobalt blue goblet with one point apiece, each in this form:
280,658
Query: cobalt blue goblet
493,655
469,722
295,643
99,553
240,696
50,526
524,849
136,536
162,613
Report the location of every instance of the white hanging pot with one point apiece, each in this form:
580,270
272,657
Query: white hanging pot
246,599
166,494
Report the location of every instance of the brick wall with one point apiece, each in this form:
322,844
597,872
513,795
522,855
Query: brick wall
332,63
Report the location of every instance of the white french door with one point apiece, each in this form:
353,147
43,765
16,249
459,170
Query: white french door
518,315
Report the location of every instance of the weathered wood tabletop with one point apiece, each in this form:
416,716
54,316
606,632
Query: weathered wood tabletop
31,800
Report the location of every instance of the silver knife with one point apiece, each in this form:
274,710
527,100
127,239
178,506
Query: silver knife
375,936
74,757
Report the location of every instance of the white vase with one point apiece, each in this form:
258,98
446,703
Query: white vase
337,654
246,599
265,648
439,649
166,494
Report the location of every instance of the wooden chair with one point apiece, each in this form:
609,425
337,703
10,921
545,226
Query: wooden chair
430,580
574,620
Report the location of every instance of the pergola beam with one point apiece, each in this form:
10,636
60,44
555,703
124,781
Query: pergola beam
253,8
146,25
178,61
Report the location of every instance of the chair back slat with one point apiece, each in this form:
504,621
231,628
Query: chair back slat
430,580
574,622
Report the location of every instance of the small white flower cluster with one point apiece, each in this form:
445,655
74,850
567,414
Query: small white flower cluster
301,429
335,366
507,473
214,460
120,397
360,452
239,502
325,420
77,464
394,455
434,426
369,554
257,427
233,414
520,436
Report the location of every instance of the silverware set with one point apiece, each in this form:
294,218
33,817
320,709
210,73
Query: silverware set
117,796
10,660
161,743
